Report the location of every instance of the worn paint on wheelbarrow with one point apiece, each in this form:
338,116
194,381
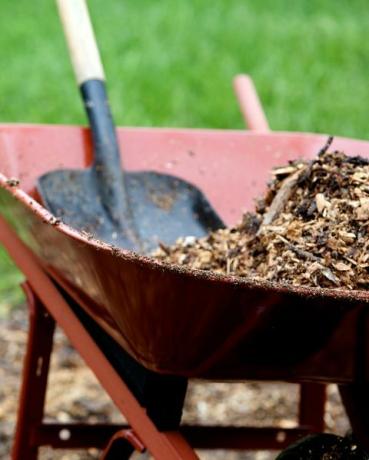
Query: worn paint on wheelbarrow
182,321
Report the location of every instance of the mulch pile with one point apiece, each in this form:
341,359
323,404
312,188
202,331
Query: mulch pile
310,229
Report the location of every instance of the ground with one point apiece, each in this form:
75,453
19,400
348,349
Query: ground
74,395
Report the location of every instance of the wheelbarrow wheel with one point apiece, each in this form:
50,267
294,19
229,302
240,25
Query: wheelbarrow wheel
119,450
324,446
138,456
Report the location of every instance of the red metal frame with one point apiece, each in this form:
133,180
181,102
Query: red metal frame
47,307
35,373
31,432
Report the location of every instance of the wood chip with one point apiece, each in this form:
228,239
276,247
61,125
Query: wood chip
342,267
321,202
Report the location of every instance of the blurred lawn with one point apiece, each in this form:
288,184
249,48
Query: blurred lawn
170,63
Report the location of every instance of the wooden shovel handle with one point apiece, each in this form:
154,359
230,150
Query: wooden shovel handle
81,40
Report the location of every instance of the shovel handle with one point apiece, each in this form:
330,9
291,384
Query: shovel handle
81,40
106,167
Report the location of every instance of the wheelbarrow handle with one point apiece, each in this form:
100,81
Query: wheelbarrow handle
250,104
81,40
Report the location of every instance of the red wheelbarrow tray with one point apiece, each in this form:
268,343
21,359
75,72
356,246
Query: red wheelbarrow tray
173,319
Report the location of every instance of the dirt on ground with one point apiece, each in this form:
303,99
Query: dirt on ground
74,395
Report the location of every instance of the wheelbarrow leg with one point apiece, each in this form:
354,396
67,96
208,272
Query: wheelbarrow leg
355,398
34,383
312,406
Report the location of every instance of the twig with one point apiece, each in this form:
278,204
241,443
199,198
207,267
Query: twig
327,272
280,199
164,247
298,251
323,150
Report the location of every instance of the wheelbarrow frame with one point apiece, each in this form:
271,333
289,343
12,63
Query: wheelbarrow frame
47,307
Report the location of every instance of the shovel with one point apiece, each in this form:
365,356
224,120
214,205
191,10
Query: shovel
131,210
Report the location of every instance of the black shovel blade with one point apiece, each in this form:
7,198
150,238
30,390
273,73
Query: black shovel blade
163,208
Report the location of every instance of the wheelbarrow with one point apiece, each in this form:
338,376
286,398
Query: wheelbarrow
144,327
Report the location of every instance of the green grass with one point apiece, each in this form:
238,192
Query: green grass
170,63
